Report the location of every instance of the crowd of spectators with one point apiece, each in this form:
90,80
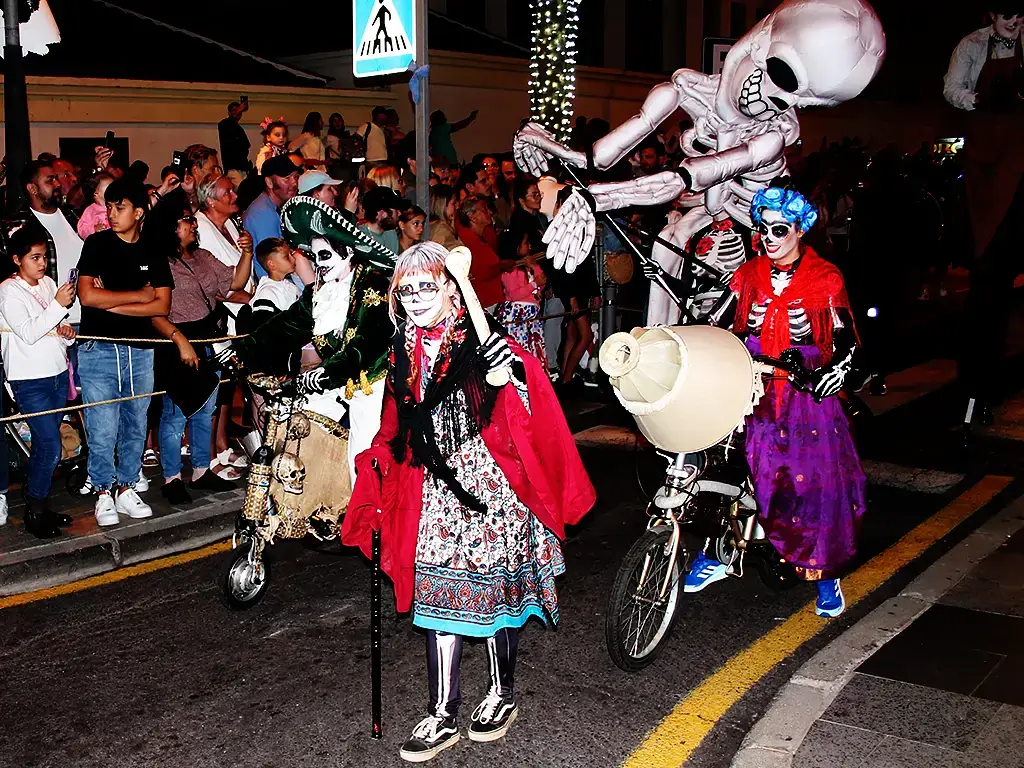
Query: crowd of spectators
198,254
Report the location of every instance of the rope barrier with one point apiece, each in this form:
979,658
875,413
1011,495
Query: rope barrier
114,401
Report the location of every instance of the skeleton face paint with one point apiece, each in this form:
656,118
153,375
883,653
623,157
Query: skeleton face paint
779,238
426,301
1007,25
330,264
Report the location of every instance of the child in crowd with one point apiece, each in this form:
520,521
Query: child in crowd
35,355
94,217
275,292
275,141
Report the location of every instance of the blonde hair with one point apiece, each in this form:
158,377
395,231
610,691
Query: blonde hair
386,176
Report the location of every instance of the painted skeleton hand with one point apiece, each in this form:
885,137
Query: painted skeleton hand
496,353
651,269
227,359
828,380
534,147
571,233
312,382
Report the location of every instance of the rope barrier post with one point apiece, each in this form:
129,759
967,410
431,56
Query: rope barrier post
609,290
375,640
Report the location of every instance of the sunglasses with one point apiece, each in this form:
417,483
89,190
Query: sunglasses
406,294
775,231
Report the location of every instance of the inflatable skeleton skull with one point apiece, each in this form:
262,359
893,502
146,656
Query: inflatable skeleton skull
805,53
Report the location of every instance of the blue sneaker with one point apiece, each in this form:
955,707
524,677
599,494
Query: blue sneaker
831,602
703,572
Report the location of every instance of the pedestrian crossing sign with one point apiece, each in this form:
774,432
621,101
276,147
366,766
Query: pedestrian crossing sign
383,36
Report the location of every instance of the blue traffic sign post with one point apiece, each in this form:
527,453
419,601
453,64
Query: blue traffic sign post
383,36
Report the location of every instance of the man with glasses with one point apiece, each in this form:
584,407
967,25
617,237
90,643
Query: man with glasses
985,79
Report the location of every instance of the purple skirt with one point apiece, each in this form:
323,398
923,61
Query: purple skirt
808,481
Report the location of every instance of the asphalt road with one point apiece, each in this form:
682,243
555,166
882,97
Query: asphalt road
154,671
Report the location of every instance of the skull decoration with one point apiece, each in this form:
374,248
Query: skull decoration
298,427
807,53
290,472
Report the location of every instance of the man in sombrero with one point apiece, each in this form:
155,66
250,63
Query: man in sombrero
344,313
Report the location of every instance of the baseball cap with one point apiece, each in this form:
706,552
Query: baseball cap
281,165
310,180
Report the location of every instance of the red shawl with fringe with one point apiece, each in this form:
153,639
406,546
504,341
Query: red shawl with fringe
817,288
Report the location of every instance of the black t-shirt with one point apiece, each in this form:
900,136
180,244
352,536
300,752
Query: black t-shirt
122,267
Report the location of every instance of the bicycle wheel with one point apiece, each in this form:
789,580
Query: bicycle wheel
639,620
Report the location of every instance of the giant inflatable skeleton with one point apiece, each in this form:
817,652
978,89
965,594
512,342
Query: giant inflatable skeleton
806,53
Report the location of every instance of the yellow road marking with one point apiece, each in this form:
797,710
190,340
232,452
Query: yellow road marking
681,732
114,576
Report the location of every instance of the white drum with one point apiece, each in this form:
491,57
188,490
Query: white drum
688,387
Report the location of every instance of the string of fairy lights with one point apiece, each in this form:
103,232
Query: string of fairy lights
553,64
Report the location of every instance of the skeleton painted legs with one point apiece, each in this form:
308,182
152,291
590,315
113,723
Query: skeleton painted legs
444,655
661,310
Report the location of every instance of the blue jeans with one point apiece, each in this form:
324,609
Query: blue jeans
200,431
34,395
110,371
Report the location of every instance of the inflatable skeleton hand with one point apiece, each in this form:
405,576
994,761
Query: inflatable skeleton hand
572,232
534,147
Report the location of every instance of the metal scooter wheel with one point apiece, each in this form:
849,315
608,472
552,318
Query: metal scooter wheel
244,577
638,620
726,550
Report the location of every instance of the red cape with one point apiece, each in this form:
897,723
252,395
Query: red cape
534,449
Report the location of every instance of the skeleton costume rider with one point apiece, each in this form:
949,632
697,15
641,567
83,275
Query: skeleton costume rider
344,313
472,486
807,477
986,80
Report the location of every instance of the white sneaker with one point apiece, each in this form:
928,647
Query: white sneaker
106,511
129,503
3,509
143,483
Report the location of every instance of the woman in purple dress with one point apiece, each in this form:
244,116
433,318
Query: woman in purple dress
808,481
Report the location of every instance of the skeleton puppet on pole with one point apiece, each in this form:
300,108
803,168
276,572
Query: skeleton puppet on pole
806,53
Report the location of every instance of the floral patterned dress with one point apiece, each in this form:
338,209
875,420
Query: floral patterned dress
477,573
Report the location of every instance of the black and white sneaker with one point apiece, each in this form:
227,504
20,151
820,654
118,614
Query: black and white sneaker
432,735
492,719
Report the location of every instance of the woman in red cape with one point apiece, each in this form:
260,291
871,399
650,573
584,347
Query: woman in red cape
472,487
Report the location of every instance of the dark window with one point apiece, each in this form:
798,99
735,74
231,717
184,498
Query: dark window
643,36
712,18
737,19
468,12
590,43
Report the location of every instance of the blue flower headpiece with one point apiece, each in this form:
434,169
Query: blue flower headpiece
793,206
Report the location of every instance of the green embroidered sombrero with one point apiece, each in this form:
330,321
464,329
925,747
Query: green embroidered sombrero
304,217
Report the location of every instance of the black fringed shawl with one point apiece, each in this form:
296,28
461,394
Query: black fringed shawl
461,370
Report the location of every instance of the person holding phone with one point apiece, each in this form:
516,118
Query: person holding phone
35,355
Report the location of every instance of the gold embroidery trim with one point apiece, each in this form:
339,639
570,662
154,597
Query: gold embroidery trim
371,297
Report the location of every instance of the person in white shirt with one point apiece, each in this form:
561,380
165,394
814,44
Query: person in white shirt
375,138
43,191
309,142
35,354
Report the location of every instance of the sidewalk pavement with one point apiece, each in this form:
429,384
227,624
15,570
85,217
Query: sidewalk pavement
85,549
932,678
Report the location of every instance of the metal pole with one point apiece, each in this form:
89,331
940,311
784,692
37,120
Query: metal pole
422,118
375,641
17,137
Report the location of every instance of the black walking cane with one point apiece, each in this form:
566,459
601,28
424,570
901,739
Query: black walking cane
375,640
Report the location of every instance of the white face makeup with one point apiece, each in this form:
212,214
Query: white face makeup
330,264
780,239
1008,26
426,301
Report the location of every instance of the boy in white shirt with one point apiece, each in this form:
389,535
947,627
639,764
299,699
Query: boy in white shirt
275,292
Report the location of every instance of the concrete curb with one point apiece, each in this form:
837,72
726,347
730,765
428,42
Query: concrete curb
211,518
776,737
